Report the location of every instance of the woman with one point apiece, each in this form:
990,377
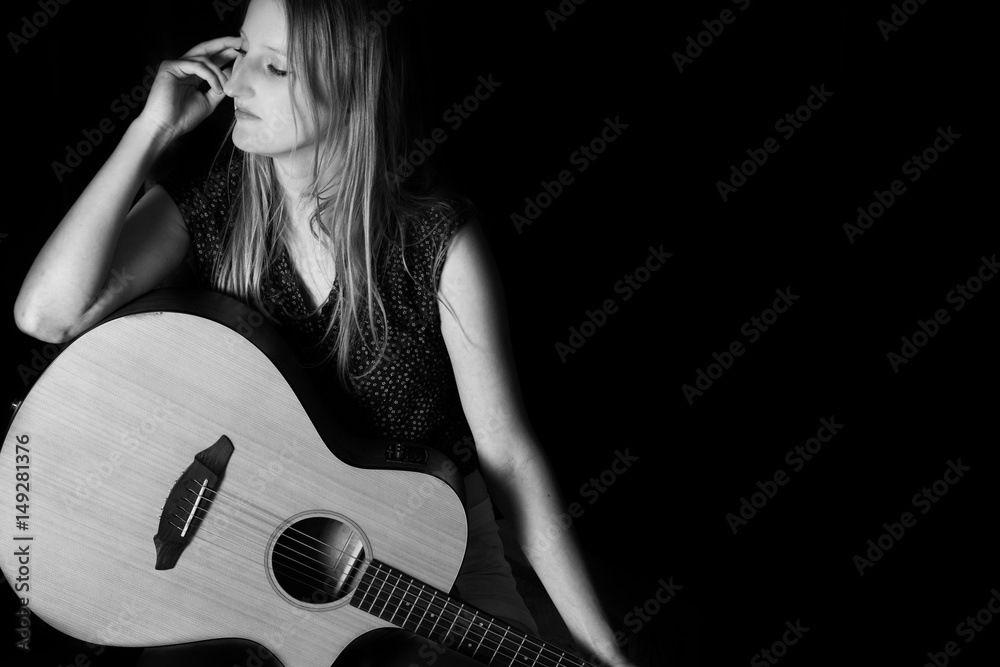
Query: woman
379,282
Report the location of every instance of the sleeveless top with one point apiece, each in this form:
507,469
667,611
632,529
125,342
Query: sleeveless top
410,393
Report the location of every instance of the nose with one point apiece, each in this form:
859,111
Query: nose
237,85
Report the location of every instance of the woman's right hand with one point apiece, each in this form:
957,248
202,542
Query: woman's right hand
175,106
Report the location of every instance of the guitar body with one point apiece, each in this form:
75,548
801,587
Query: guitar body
107,433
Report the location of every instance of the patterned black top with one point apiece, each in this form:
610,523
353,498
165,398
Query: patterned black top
411,392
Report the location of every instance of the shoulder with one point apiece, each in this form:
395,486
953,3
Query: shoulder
468,271
428,235
437,223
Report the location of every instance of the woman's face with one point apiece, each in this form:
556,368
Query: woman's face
259,88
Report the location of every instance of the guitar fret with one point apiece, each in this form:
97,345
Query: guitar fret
388,600
423,615
499,643
410,605
481,629
489,624
379,593
364,587
435,616
466,633
517,651
373,589
447,642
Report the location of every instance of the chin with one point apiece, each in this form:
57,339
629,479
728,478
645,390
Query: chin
262,142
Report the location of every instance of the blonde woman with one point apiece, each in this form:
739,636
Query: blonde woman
382,283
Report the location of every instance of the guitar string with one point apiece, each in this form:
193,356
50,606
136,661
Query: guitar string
335,550
263,565
261,510
321,582
540,645
265,513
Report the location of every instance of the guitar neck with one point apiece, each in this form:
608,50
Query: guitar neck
425,611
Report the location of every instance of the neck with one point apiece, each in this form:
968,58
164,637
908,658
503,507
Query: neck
296,180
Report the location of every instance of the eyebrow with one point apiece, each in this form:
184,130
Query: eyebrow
269,48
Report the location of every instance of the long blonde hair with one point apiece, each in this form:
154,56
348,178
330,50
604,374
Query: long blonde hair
363,76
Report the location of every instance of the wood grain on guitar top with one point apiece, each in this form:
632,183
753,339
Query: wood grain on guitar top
112,424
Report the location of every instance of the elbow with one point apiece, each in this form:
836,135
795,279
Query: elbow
34,323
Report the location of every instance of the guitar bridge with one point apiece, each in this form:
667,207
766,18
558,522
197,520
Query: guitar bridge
187,504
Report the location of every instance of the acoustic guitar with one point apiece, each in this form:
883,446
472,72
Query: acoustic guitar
175,479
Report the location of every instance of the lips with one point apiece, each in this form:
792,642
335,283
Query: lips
243,114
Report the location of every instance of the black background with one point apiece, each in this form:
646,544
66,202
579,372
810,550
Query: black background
656,185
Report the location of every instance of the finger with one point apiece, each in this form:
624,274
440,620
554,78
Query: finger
214,98
208,62
186,70
223,57
213,46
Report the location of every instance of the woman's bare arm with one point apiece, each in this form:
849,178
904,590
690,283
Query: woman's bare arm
102,255
517,472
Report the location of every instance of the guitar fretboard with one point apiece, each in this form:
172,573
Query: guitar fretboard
425,611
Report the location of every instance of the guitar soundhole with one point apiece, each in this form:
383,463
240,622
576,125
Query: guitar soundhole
317,560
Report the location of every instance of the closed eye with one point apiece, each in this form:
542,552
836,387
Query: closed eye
274,71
